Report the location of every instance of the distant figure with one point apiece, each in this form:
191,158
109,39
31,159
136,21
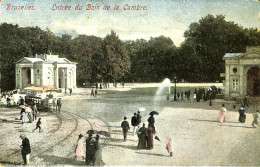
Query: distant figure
21,101
35,111
100,86
125,128
245,101
256,119
142,136
95,92
169,145
222,113
8,102
79,148
59,104
90,150
26,149
54,104
38,125
134,122
92,93
181,95
98,153
242,115
70,91
210,102
151,132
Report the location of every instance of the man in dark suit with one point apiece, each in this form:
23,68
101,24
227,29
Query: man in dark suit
125,128
134,123
26,149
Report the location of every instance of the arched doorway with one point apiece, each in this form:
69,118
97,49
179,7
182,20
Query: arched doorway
253,81
61,74
26,77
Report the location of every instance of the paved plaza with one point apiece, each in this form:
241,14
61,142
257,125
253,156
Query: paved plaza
198,138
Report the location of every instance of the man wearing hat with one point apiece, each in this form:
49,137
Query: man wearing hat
125,128
26,149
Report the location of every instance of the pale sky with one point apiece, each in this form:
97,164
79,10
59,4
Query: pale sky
162,17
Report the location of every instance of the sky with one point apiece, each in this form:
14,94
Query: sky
170,18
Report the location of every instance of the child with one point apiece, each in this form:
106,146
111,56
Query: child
169,145
38,125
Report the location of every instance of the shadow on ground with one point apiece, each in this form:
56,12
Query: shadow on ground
153,154
60,160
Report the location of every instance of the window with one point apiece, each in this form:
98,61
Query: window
235,84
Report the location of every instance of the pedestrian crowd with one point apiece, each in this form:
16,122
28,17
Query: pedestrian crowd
145,134
242,116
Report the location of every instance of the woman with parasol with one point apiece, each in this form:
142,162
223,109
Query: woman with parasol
151,119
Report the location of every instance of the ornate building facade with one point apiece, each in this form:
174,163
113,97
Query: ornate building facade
242,73
45,71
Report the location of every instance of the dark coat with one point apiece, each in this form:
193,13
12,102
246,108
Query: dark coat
90,150
142,135
151,120
139,119
134,121
242,115
125,126
26,148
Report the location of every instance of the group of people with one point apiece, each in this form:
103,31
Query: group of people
93,155
185,95
56,104
242,115
205,95
145,134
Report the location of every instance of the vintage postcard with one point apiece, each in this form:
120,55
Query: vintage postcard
129,82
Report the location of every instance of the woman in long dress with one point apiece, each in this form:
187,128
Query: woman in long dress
242,115
222,114
79,148
98,153
150,136
169,145
24,117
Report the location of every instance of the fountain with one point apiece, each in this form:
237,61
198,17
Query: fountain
162,91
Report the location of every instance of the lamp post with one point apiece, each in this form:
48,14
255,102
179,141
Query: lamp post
175,80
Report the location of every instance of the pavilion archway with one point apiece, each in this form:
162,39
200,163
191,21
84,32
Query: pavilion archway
253,81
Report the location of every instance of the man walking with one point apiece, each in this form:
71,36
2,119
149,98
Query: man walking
26,149
38,125
59,103
125,128
134,123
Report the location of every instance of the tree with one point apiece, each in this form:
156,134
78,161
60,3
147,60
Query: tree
114,62
209,40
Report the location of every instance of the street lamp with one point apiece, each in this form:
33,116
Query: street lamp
175,80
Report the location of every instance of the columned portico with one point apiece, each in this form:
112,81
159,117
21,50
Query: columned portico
242,74
45,71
